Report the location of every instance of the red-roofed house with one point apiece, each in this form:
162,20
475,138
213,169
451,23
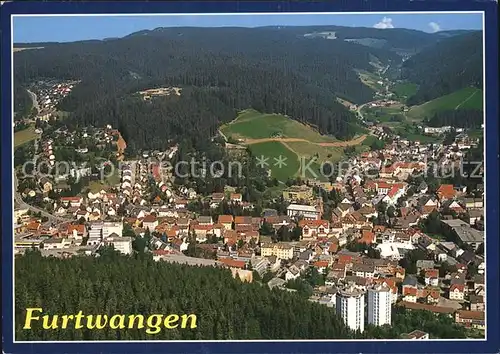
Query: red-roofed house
446,192
333,248
367,237
77,232
202,231
430,294
474,319
431,277
345,259
232,263
236,197
72,201
314,228
395,193
226,221
321,266
391,283
383,187
33,226
150,222
457,292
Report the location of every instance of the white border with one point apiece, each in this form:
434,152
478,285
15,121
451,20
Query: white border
255,14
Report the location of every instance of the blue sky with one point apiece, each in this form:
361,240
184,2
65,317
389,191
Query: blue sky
66,29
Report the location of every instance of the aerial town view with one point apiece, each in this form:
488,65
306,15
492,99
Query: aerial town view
248,180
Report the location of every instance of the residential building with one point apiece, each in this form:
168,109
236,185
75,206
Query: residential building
122,244
457,292
431,277
314,228
150,222
410,289
476,302
474,319
464,233
379,304
226,221
95,233
363,270
56,243
297,193
110,227
350,306
280,250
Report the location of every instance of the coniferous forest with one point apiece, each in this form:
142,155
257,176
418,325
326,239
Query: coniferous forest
445,67
221,71
225,307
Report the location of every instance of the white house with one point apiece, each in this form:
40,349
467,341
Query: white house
306,211
122,244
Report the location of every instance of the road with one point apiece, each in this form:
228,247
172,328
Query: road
52,219
352,142
34,99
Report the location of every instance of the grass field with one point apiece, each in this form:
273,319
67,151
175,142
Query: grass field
272,151
384,114
370,140
251,124
23,136
407,132
111,181
405,90
323,153
466,98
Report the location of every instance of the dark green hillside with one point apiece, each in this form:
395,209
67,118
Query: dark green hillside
114,284
221,71
225,308
451,65
22,101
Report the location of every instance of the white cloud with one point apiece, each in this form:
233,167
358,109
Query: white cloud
434,27
385,23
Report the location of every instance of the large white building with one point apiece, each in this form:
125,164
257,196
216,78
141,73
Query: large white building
379,304
95,233
110,227
308,212
122,244
350,305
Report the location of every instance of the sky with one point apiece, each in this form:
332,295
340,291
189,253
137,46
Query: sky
74,28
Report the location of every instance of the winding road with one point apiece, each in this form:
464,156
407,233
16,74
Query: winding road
34,99
23,205
352,142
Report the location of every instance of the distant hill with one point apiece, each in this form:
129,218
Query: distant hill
221,71
452,64
469,98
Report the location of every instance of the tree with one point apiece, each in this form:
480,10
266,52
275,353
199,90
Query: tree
267,277
409,262
296,233
266,229
391,212
313,277
432,224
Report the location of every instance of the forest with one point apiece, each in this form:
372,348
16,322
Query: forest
22,101
220,70
224,70
225,307
463,118
445,67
